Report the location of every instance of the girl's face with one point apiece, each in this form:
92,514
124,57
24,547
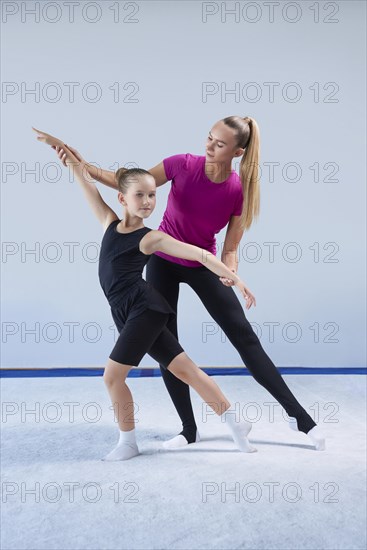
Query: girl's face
140,197
221,144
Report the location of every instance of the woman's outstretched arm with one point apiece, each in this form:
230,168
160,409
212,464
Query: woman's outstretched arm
158,241
108,178
78,167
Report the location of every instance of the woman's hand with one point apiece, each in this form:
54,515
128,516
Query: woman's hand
227,282
249,297
61,153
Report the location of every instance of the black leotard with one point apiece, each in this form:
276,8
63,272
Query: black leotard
121,265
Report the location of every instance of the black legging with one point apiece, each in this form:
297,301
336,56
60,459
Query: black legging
225,308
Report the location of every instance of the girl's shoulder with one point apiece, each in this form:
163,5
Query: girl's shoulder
113,220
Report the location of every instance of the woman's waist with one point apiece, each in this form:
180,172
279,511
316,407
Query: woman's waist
190,235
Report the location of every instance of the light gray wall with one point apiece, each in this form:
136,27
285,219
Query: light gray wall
171,52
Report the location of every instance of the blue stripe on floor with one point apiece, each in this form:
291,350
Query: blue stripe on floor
151,372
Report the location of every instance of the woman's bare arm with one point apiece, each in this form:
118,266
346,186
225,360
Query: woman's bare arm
159,174
107,177
232,240
103,176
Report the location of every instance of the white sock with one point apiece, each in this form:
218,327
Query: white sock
317,438
126,447
315,434
178,442
293,424
239,431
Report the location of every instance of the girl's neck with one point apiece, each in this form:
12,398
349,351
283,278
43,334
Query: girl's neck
218,172
126,225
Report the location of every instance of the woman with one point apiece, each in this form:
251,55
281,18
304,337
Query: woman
209,181
139,311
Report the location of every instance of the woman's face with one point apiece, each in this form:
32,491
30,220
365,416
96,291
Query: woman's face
221,144
140,197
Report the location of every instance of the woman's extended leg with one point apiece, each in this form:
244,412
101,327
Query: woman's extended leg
163,351
225,308
223,305
164,276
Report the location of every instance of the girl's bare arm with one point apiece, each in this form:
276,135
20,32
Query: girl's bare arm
155,241
104,176
102,211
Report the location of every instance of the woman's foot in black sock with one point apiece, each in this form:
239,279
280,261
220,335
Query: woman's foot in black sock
187,436
314,433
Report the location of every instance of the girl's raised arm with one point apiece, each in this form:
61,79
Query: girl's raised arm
158,241
104,176
103,212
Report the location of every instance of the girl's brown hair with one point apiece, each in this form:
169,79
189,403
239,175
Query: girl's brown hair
248,137
125,176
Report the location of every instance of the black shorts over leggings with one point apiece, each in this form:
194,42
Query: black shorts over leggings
146,333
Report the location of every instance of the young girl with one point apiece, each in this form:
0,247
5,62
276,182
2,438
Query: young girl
139,311
229,199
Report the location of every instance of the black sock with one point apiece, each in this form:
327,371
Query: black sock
189,433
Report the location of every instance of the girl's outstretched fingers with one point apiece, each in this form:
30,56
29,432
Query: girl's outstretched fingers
47,138
249,297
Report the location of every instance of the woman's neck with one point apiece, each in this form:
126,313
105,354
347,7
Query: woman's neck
218,172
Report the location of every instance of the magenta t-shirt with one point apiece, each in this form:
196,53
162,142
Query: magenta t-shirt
197,208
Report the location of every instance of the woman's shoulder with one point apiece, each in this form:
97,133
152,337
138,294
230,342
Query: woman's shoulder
194,162
180,160
235,179
191,157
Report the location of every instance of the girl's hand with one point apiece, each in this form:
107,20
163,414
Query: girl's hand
48,139
249,297
66,154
